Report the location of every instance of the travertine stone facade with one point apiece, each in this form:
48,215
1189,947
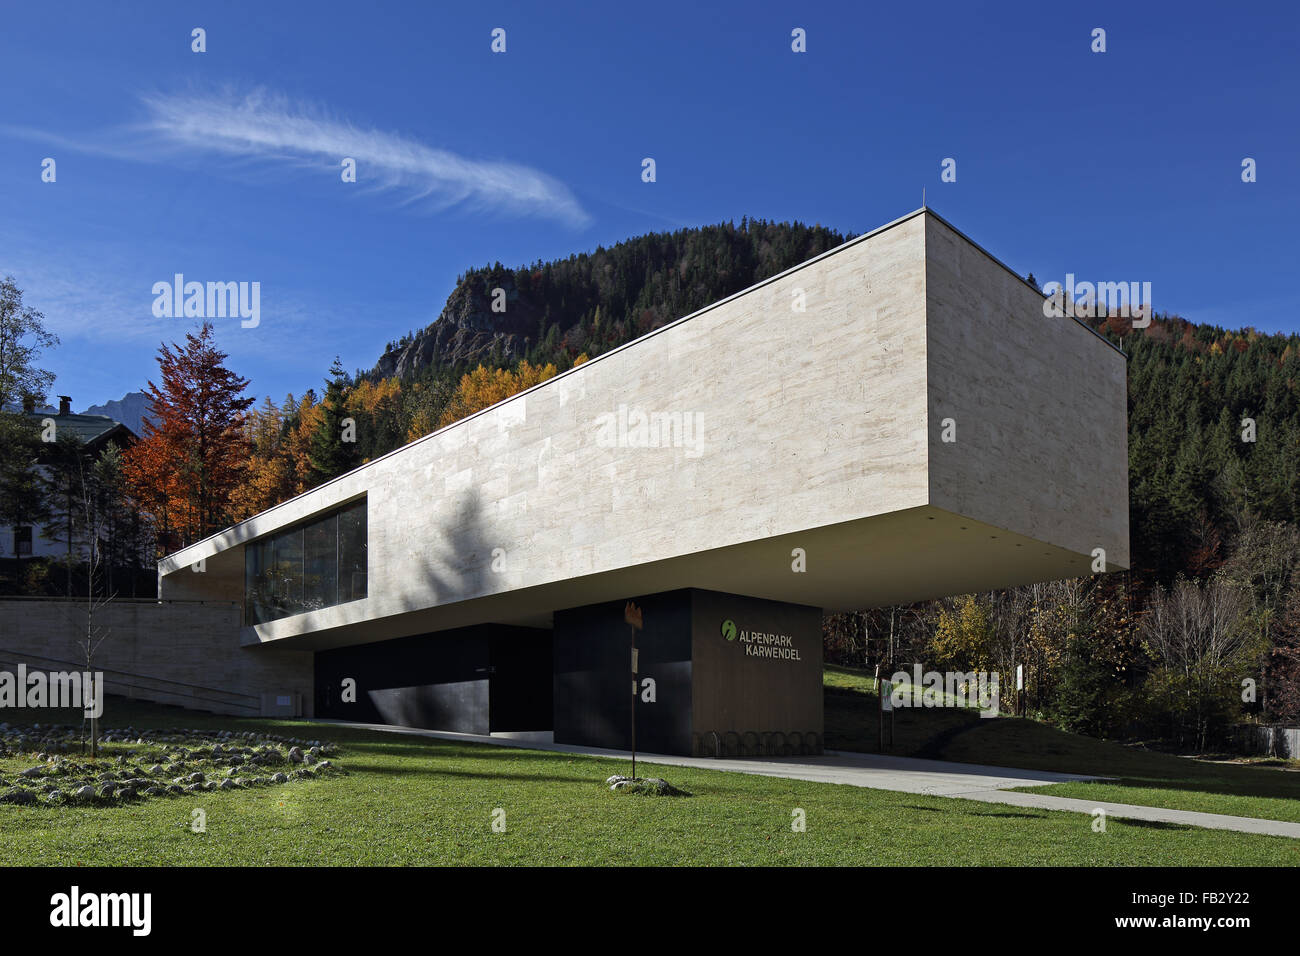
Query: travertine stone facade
814,429
1039,406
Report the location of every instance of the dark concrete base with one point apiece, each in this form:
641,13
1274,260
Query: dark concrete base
733,676
475,680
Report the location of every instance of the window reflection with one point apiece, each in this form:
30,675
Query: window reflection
307,567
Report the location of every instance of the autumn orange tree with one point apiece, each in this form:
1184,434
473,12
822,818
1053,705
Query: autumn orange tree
377,408
278,440
484,387
270,476
185,470
303,422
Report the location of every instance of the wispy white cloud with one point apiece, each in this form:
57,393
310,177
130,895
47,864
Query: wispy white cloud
269,128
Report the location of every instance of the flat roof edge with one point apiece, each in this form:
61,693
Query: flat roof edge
995,259
848,243
559,375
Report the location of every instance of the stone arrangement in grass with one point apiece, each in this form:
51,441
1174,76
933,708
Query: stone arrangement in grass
646,786
140,764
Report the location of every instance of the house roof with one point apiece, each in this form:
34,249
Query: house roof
91,429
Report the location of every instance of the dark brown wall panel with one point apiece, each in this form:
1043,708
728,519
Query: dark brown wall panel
752,692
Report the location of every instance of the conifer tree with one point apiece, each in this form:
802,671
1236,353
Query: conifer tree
333,448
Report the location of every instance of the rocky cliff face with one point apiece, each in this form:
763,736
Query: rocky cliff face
468,331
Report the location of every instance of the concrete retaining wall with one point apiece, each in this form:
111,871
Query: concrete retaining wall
181,653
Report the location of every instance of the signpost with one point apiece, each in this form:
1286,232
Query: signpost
632,615
886,706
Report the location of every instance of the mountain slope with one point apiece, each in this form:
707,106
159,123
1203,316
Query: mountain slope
592,302
131,410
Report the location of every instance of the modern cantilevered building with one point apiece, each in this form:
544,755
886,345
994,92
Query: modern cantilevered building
894,420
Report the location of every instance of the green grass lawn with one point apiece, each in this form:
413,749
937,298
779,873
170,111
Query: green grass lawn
412,800
1142,776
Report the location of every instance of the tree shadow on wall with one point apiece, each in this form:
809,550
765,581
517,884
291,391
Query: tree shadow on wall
459,563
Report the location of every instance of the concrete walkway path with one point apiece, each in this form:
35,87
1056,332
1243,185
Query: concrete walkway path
1190,818
939,778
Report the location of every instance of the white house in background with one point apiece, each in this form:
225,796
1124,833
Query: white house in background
96,432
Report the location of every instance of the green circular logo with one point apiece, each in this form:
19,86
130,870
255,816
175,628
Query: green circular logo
729,629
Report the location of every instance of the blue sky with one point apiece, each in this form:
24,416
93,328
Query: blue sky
224,165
